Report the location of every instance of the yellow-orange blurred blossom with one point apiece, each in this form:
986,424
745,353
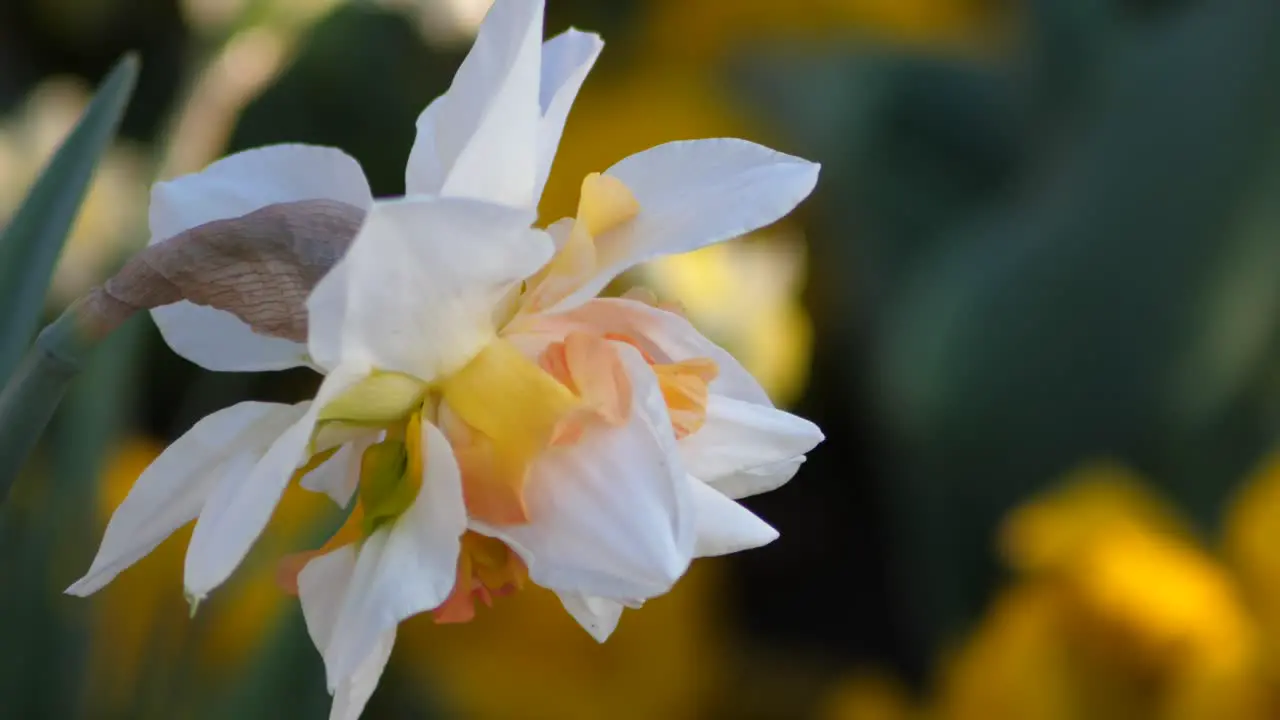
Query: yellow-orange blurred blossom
1117,611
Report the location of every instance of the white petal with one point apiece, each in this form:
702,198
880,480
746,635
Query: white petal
240,505
610,515
217,340
695,193
740,437
231,187
566,60
406,567
421,282
480,139
723,525
322,586
598,616
338,476
664,335
426,170
353,693
171,491
759,480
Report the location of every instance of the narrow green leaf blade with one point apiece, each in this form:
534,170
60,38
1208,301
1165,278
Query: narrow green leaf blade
31,243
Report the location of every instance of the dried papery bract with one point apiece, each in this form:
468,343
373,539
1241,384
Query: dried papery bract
259,267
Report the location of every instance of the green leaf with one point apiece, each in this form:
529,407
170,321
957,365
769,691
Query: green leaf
1106,287
30,244
1057,330
911,144
50,534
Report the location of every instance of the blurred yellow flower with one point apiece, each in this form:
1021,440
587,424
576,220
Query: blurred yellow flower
1015,665
1251,548
1116,612
663,662
1050,532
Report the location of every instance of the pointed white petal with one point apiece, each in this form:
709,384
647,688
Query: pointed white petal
740,437
421,282
322,587
724,526
480,139
353,693
695,193
406,567
427,170
566,60
664,335
598,616
763,479
610,515
231,187
171,491
240,505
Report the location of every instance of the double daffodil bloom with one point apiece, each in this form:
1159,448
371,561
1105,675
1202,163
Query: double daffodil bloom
509,71
488,420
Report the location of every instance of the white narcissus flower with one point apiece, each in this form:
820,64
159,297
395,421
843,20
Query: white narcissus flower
222,465
599,444
494,421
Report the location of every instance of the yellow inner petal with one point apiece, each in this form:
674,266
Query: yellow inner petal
605,203
512,408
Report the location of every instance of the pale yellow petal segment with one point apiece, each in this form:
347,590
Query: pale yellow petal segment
685,388
380,398
605,203
575,261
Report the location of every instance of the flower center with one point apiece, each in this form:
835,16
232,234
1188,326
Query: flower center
499,412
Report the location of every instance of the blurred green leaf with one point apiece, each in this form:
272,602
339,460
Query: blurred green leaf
1105,288
49,533
30,244
911,144
326,95
1068,43
285,678
1054,332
